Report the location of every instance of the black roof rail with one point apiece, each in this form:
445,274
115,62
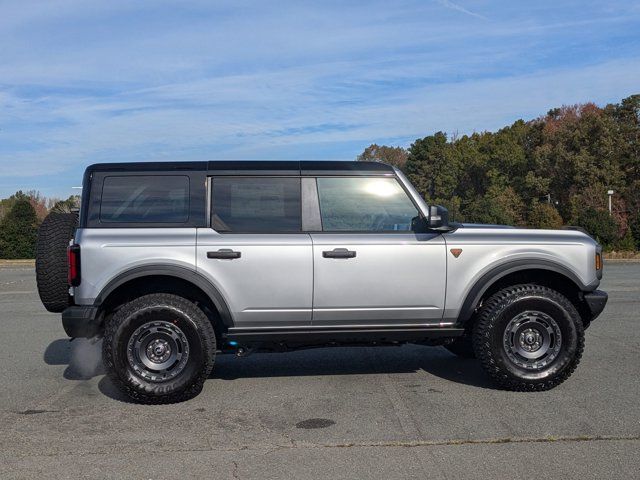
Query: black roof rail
253,167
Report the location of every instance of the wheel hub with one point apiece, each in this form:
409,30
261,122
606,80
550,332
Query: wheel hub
532,340
158,351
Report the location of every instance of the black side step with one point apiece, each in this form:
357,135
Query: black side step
339,335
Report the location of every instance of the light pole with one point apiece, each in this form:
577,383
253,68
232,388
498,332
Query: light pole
610,193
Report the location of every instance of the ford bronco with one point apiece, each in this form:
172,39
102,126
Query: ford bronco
173,263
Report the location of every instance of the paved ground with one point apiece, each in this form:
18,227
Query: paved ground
383,413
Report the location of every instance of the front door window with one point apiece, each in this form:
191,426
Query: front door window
352,204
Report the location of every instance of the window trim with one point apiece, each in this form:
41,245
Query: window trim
200,185
310,204
311,217
369,232
187,210
211,180
197,194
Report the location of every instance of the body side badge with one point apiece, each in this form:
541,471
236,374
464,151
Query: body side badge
456,252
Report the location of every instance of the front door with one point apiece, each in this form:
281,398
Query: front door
256,254
370,267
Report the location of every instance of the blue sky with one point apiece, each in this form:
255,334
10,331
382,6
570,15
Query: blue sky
84,82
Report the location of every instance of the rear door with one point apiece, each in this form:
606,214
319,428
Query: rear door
370,266
255,251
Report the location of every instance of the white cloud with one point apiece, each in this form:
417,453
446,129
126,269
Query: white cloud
229,116
455,6
81,82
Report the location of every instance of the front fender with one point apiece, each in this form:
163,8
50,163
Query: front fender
482,284
489,254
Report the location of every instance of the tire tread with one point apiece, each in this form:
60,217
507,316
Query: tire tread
146,393
51,259
483,329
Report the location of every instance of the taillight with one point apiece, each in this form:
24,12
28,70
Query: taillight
598,261
73,257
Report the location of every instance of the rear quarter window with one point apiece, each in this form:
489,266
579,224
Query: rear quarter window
145,199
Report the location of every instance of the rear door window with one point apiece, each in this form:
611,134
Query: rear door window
145,199
256,205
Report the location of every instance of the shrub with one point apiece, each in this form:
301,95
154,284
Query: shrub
544,215
627,243
634,227
599,224
18,231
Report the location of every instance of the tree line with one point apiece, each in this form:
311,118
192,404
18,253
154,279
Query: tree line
20,216
549,172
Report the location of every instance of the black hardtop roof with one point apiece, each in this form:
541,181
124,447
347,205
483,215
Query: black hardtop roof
252,167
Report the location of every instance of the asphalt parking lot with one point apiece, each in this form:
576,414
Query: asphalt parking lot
353,413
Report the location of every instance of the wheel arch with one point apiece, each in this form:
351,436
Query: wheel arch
541,272
164,279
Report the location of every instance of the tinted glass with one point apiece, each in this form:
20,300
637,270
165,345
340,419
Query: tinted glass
268,205
364,204
145,199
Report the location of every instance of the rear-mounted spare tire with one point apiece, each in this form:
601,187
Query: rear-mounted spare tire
51,259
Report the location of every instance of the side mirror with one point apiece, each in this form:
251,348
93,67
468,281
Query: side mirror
438,218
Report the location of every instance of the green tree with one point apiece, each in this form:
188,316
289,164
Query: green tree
634,227
433,168
543,215
599,224
6,204
582,145
627,118
627,243
18,231
573,154
66,206
396,156
500,206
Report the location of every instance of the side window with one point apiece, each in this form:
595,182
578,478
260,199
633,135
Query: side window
145,199
256,205
364,204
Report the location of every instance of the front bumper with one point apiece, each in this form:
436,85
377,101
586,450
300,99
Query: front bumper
596,302
81,321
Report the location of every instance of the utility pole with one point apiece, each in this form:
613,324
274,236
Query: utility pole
610,193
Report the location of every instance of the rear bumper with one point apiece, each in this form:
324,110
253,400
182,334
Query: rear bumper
596,302
81,321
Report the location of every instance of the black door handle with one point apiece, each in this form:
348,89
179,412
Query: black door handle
224,253
339,253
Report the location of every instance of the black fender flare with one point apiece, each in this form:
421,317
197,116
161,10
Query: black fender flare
504,269
176,271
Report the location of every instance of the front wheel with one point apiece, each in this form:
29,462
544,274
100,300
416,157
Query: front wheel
159,348
528,337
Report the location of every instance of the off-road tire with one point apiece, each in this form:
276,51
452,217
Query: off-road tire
51,259
462,346
190,319
492,322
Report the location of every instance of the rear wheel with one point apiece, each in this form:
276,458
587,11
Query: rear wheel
159,348
528,337
51,259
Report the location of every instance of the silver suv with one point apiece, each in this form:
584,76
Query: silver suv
174,262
